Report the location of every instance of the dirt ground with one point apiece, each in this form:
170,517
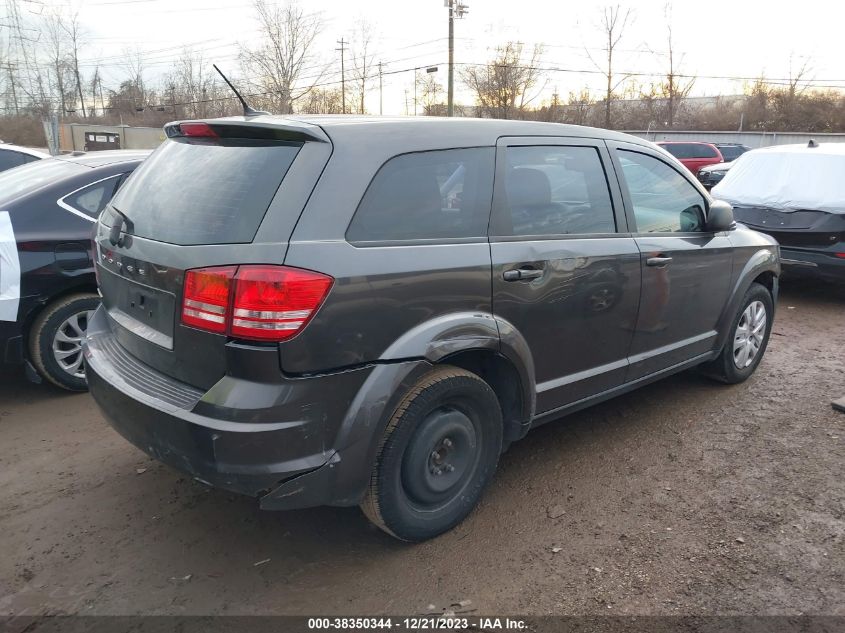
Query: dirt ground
686,497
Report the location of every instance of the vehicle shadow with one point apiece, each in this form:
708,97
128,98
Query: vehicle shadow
815,291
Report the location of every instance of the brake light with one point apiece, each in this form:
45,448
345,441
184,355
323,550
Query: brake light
255,302
206,300
197,130
841,255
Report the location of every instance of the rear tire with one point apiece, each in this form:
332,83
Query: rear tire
749,338
55,340
438,453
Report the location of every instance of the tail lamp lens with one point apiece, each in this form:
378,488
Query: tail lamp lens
206,301
253,302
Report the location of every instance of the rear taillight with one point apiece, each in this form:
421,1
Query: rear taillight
840,255
206,300
255,302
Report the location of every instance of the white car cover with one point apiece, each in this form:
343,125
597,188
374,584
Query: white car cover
10,271
787,178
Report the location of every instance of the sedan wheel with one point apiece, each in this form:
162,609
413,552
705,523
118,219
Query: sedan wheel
67,343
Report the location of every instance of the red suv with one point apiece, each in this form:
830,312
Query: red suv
693,155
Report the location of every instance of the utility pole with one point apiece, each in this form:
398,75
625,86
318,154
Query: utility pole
342,50
457,9
14,91
380,94
173,100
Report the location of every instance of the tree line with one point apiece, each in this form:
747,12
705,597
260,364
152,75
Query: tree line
44,71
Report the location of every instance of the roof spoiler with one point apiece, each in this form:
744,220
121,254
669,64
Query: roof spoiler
244,128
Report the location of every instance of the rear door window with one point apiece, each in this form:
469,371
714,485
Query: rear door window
555,190
441,194
203,192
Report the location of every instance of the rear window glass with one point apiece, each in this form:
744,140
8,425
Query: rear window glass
731,152
690,150
439,194
204,192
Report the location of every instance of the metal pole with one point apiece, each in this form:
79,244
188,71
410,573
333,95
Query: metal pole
342,50
415,91
450,107
380,94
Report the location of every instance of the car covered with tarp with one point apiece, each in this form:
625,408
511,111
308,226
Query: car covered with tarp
796,194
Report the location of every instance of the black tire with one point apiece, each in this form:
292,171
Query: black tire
724,368
413,495
43,333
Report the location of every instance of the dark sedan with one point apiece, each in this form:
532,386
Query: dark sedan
47,284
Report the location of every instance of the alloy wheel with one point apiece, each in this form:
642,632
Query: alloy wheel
749,334
67,343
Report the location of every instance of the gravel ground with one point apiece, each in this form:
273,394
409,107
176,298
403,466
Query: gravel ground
685,497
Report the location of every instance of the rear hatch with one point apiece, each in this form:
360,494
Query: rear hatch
799,229
224,194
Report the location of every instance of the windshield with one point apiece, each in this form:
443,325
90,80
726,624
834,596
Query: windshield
203,192
33,176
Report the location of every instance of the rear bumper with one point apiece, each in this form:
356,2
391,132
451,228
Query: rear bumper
270,440
811,263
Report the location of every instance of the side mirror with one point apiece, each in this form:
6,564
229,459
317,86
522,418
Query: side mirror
720,217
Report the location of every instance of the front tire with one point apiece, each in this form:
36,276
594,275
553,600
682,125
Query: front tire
749,338
55,340
438,453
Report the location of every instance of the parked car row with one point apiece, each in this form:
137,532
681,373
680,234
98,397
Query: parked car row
453,286
708,161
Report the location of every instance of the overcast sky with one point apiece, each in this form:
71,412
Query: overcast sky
740,38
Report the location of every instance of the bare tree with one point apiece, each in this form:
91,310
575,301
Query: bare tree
76,40
430,92
579,105
674,88
192,82
503,87
363,59
278,65
613,23
56,47
322,101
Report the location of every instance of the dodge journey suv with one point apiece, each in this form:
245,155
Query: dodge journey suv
360,311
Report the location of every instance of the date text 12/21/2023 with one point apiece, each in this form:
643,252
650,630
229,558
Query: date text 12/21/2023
417,623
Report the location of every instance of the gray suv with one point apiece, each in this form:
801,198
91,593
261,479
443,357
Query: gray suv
362,311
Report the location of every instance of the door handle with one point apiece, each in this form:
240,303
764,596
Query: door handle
660,261
522,274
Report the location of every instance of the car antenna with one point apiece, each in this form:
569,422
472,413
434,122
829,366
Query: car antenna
248,111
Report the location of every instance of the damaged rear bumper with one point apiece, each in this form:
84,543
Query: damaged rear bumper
282,452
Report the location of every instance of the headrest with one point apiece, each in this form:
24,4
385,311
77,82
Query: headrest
528,187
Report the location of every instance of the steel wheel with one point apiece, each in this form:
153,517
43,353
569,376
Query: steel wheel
67,343
440,458
749,335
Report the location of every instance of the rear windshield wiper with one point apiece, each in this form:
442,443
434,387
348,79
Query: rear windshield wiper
117,225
